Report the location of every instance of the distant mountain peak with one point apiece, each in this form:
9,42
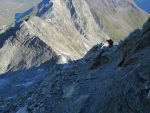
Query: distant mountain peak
38,10
65,36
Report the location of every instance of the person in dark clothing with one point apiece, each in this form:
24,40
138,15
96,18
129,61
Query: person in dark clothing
110,43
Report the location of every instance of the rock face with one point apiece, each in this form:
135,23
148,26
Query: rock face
54,28
105,80
22,50
108,13
60,30
46,69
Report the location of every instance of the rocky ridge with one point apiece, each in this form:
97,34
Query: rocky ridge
61,27
67,29
106,80
43,69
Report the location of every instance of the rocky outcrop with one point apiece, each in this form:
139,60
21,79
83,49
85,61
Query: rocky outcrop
106,80
22,50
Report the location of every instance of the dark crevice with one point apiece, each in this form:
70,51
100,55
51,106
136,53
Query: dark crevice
121,63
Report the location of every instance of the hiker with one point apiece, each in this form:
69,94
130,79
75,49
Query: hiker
110,43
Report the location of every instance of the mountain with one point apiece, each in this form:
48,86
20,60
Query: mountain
54,59
8,8
102,15
117,17
143,4
105,80
66,29
53,28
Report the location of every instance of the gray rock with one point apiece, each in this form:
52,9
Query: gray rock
145,75
147,85
104,89
22,110
148,95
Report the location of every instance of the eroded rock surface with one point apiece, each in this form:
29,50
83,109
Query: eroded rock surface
105,88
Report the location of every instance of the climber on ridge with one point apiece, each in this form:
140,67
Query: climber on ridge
110,43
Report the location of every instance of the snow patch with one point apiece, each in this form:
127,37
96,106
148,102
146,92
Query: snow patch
64,59
105,45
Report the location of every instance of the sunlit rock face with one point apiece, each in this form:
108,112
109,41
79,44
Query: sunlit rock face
65,29
69,28
108,12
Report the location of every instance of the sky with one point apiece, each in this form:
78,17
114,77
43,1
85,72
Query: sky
144,4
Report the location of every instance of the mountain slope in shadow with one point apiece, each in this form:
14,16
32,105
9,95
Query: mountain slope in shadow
106,80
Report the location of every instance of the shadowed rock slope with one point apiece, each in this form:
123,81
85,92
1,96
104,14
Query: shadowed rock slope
106,80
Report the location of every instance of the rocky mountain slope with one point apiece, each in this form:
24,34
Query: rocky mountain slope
59,28
8,8
42,68
107,7
117,17
47,64
105,80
